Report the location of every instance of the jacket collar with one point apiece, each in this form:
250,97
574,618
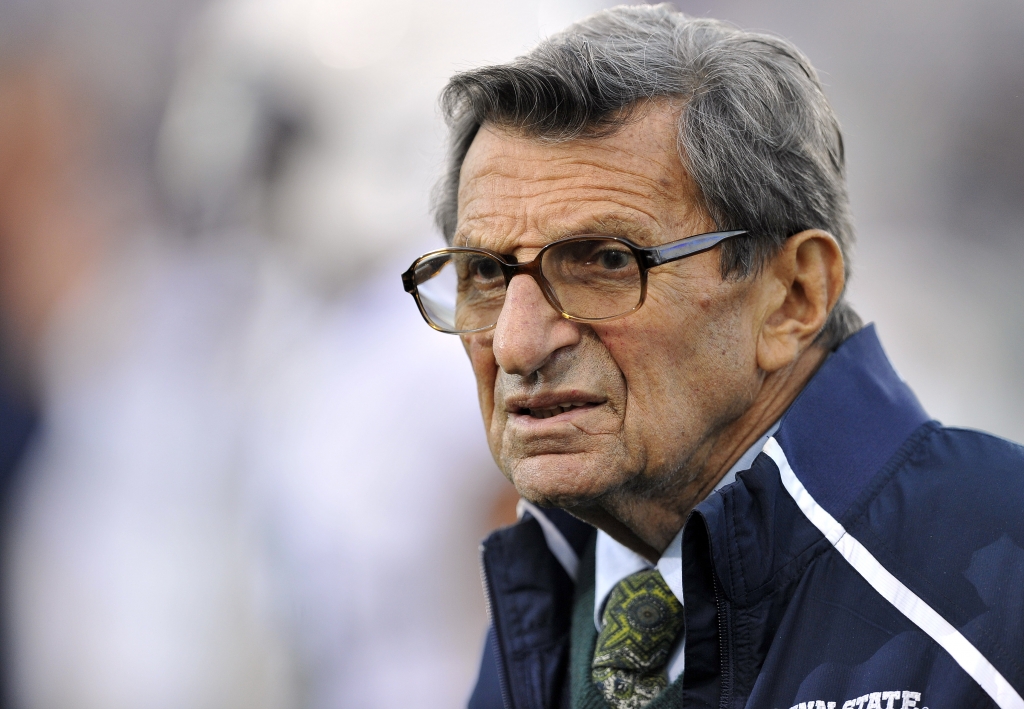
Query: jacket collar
848,421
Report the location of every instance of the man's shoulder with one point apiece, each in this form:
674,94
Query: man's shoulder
958,443
955,477
947,516
961,467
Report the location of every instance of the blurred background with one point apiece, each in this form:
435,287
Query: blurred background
236,469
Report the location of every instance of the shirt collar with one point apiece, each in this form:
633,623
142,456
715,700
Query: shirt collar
614,561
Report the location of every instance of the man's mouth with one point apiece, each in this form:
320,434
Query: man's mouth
549,411
546,406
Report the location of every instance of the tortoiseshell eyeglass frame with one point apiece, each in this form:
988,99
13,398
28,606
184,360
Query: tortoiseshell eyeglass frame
647,257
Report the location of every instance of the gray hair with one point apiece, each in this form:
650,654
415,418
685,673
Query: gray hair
756,133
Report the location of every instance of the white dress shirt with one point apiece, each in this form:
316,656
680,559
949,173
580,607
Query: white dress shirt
614,561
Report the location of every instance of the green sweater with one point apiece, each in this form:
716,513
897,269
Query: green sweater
585,694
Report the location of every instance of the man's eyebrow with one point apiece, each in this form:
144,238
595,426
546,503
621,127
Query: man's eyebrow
462,238
608,225
601,225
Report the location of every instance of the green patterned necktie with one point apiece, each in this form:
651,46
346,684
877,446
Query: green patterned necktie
642,620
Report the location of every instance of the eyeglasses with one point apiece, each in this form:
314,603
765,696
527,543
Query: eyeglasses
460,290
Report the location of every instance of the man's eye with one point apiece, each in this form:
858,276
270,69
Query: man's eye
485,269
613,259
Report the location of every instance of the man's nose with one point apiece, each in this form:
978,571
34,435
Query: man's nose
529,329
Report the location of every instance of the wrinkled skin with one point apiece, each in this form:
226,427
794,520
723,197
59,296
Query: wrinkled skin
668,397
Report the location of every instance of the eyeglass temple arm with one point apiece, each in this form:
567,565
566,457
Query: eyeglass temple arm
429,266
409,281
657,255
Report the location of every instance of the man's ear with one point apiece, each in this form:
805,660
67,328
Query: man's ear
804,281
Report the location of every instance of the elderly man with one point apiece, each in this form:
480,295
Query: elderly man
649,233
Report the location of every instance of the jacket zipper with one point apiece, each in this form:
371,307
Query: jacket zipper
723,634
499,660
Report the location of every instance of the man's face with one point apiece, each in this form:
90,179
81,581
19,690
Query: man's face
645,395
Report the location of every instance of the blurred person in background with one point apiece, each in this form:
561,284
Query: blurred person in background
67,199
116,555
233,499
316,130
24,300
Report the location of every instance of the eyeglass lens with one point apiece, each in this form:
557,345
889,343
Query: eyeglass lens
591,279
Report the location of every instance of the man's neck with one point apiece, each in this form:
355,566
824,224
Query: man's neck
647,524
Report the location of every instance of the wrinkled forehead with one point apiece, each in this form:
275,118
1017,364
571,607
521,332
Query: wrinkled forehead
519,192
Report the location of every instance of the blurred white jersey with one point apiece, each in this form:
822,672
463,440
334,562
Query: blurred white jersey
245,497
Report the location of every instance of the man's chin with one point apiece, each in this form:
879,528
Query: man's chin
562,480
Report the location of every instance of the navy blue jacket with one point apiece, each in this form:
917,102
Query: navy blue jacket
870,558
